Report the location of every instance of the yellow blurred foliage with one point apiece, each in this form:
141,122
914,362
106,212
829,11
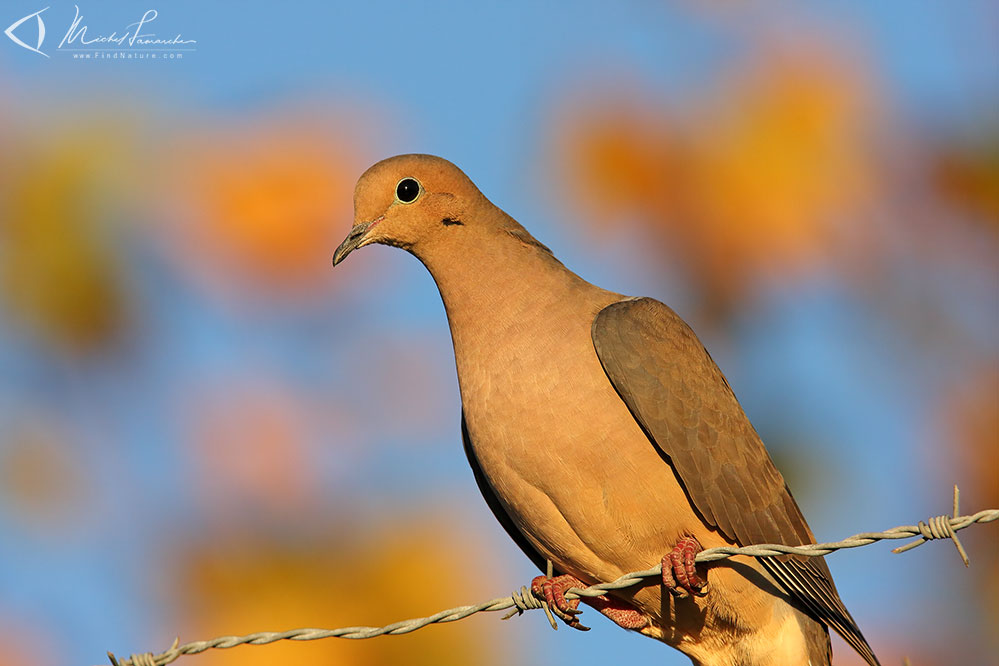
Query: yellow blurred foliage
754,181
413,567
776,159
59,268
260,205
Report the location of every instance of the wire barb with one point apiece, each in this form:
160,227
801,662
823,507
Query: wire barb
940,527
147,658
524,600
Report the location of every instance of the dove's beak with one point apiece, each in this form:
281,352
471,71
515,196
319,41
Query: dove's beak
355,239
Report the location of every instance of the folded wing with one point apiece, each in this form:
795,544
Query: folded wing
684,404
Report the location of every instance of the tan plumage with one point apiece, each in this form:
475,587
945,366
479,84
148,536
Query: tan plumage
599,429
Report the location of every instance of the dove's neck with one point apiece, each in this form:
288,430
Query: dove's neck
507,287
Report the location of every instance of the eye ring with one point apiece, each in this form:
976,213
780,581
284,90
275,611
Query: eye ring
408,190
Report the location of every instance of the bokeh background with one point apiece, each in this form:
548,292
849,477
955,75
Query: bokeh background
206,430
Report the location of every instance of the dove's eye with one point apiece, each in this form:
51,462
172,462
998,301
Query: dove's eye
407,190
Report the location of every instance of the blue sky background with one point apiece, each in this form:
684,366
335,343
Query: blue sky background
482,84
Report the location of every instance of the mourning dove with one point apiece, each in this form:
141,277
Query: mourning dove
604,437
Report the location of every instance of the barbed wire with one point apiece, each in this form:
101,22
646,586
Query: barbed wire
938,527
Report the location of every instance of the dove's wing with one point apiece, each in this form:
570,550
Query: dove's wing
685,406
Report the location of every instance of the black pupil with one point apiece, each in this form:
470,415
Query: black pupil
407,190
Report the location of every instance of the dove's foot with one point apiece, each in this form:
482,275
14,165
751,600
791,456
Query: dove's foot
679,571
621,613
552,591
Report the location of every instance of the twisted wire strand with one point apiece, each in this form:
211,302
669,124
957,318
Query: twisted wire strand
939,527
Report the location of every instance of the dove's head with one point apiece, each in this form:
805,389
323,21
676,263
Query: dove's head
413,202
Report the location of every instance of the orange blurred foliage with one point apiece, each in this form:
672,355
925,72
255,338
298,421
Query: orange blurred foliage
969,176
38,477
262,205
755,181
409,568
250,446
970,418
60,272
930,647
26,644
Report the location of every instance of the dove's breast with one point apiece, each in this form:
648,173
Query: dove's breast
568,461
